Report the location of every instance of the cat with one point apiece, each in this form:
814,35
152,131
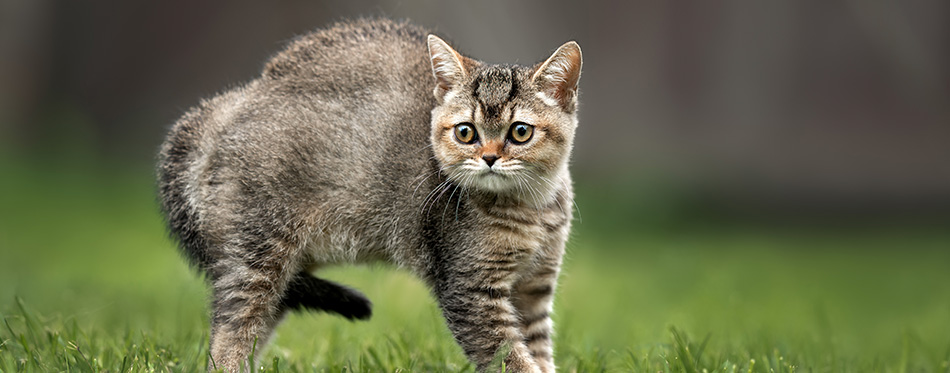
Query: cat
374,140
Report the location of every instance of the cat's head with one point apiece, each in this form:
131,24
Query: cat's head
504,129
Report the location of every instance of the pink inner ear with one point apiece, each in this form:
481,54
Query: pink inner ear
444,70
446,65
560,73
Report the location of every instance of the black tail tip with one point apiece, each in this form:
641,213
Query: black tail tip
356,309
314,294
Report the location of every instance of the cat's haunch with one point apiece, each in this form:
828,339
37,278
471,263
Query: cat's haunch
375,141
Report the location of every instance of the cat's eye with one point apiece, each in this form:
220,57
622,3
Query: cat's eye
465,133
521,132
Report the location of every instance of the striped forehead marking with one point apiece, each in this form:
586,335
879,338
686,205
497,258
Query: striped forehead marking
494,88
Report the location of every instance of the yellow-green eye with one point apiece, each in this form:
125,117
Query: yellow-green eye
521,132
465,133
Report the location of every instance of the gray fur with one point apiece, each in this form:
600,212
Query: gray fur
339,153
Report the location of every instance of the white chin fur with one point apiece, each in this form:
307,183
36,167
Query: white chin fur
487,181
494,182
513,183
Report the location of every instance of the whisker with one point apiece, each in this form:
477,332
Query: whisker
422,182
580,218
435,190
447,202
445,187
551,185
459,202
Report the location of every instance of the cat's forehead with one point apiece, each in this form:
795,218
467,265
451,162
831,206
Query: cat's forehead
494,87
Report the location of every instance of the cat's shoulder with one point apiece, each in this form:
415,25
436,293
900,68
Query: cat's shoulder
342,40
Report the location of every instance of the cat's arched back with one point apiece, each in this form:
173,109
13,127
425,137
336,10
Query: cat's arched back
373,140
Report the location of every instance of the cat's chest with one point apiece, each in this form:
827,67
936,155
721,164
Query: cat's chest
519,229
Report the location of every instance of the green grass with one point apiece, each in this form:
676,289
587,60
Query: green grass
89,282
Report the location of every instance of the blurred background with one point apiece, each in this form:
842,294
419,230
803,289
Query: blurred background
735,159
778,108
774,109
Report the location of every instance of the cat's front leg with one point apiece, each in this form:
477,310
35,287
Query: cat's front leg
475,296
533,298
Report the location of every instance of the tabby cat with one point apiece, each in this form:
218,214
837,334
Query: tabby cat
373,140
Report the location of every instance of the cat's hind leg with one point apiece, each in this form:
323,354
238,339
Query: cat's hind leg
248,281
306,292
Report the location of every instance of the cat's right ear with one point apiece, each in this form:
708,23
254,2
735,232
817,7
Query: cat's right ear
447,66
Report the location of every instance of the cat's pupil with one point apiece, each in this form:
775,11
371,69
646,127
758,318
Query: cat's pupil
522,131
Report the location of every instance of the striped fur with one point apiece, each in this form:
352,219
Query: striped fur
343,152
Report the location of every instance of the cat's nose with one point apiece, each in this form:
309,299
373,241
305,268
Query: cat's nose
490,159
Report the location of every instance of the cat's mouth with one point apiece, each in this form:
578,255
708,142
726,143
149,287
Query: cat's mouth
491,172
494,179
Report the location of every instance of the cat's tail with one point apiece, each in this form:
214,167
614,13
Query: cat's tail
306,292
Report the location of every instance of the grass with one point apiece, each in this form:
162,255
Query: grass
90,283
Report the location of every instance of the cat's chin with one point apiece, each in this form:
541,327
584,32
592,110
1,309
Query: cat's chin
494,182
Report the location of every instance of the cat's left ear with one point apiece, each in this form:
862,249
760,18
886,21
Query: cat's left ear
447,66
558,76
